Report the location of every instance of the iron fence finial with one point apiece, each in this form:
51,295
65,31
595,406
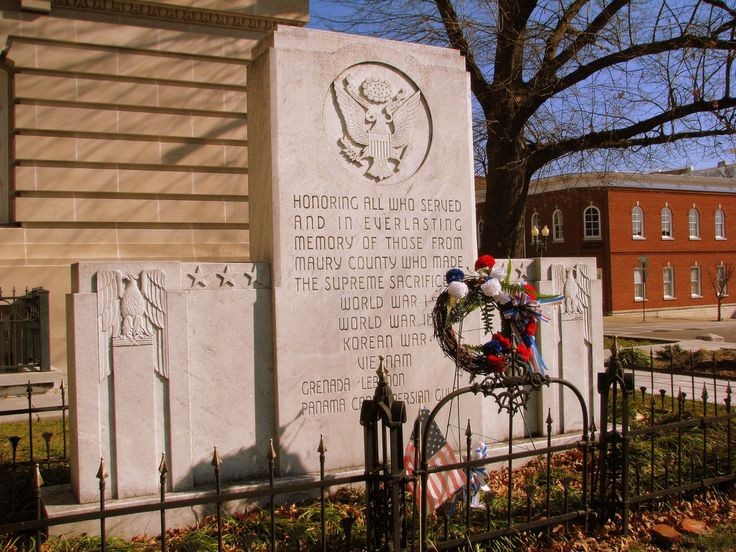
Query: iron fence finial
271,451
216,460
162,467
37,479
382,371
321,448
101,470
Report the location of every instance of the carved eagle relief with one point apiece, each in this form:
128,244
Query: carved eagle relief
574,283
132,309
377,124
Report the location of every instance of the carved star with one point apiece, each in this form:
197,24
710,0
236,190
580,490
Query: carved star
251,276
198,277
226,277
254,279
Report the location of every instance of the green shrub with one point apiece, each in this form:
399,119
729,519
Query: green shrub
634,358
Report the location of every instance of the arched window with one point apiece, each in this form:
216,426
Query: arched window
720,219
668,282
637,222
557,223
481,224
592,223
722,278
666,216
695,290
534,221
693,223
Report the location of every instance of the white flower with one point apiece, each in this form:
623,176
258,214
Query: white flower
458,290
491,287
502,298
498,273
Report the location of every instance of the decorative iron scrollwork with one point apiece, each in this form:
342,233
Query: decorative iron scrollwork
511,390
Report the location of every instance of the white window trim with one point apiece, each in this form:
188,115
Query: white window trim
597,237
720,266
700,283
693,236
671,270
643,296
533,221
641,236
556,239
661,226
722,235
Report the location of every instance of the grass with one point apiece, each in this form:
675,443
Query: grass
628,342
40,426
724,538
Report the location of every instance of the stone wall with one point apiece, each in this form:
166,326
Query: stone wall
129,134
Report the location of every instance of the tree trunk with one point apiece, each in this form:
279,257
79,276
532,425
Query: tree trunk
506,190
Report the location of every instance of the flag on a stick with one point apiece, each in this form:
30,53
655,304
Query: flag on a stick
443,485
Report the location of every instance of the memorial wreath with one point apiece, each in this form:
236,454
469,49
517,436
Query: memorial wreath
512,350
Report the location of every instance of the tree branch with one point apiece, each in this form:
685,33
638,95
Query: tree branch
451,22
625,137
634,52
547,72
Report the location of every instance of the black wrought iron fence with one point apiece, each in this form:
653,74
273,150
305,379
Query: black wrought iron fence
24,331
651,447
265,495
24,445
395,511
670,438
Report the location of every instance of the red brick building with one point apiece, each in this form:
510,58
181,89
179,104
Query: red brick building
682,224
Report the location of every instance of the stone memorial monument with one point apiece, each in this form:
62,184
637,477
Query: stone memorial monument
362,154
361,198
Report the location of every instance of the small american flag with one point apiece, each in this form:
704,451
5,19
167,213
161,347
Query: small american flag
441,486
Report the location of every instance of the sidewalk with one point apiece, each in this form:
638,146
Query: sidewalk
691,335
40,400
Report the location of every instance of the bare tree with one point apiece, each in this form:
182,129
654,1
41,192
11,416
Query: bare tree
719,283
579,84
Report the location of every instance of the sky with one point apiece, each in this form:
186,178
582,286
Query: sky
695,159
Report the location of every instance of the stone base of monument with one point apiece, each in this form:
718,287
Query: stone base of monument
59,501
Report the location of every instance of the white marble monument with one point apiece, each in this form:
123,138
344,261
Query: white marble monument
168,358
362,151
361,194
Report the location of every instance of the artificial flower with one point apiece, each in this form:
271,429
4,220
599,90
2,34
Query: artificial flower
491,287
454,275
458,290
523,351
492,347
485,261
502,298
530,291
503,340
496,363
531,327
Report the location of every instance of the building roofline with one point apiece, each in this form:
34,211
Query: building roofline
690,182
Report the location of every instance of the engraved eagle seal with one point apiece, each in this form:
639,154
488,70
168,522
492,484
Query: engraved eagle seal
377,123
131,310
